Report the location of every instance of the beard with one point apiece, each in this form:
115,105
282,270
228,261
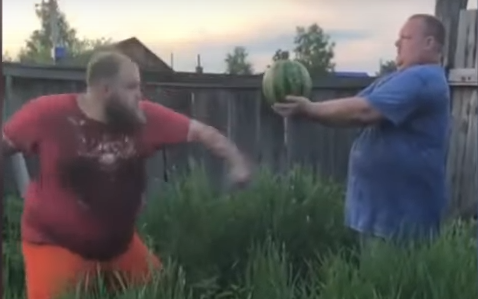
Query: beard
122,118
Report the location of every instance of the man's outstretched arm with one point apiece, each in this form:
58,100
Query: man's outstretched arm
394,100
353,111
166,126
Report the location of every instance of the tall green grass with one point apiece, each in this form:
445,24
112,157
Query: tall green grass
281,238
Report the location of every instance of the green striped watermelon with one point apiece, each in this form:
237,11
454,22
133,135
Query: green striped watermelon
285,77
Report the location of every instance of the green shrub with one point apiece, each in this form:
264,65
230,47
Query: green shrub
282,237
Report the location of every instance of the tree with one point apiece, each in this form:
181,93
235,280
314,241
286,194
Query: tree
314,49
6,56
280,54
38,46
387,67
237,62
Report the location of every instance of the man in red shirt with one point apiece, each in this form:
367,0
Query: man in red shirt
80,212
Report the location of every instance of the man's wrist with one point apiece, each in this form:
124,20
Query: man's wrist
235,157
309,109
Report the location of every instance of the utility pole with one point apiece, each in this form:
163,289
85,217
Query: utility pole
53,27
58,50
199,68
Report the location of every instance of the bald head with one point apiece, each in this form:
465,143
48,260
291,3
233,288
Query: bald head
421,40
105,65
432,27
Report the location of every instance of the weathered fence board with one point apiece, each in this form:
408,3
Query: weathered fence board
179,100
212,107
244,122
463,150
463,77
271,130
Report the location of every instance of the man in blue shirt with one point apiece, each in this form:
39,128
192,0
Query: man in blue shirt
396,181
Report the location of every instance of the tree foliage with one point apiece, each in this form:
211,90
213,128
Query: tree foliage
38,46
387,67
6,56
237,62
313,48
280,54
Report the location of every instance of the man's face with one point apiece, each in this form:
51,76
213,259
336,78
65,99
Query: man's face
122,100
413,43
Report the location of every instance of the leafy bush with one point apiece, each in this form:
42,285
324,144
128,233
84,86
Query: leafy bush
282,238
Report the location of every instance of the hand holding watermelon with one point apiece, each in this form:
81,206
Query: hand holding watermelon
292,106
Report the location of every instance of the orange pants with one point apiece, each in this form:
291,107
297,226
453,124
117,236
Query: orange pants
51,271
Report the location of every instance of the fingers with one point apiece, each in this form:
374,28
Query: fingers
239,181
284,106
283,109
294,99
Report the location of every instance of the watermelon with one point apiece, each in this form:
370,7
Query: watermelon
285,77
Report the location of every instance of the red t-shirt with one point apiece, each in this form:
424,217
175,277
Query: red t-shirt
98,221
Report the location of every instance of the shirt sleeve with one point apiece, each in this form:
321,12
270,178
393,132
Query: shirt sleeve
400,96
164,126
23,129
367,90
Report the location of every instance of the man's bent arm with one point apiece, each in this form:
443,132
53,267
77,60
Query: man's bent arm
169,127
7,147
19,166
23,131
216,142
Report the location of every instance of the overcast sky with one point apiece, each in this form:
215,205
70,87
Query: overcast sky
364,31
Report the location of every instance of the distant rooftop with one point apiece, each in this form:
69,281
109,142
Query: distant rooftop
352,74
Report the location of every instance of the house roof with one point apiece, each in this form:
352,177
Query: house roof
122,46
135,41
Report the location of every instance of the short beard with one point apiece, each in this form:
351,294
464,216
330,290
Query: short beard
122,119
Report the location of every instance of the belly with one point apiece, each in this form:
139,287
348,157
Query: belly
71,224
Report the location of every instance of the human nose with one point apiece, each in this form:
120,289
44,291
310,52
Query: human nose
397,43
138,95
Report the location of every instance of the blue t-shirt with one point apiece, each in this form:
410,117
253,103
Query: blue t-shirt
397,169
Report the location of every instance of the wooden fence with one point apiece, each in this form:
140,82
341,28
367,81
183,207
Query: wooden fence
233,107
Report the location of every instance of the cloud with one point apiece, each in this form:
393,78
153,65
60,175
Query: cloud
260,48
364,34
